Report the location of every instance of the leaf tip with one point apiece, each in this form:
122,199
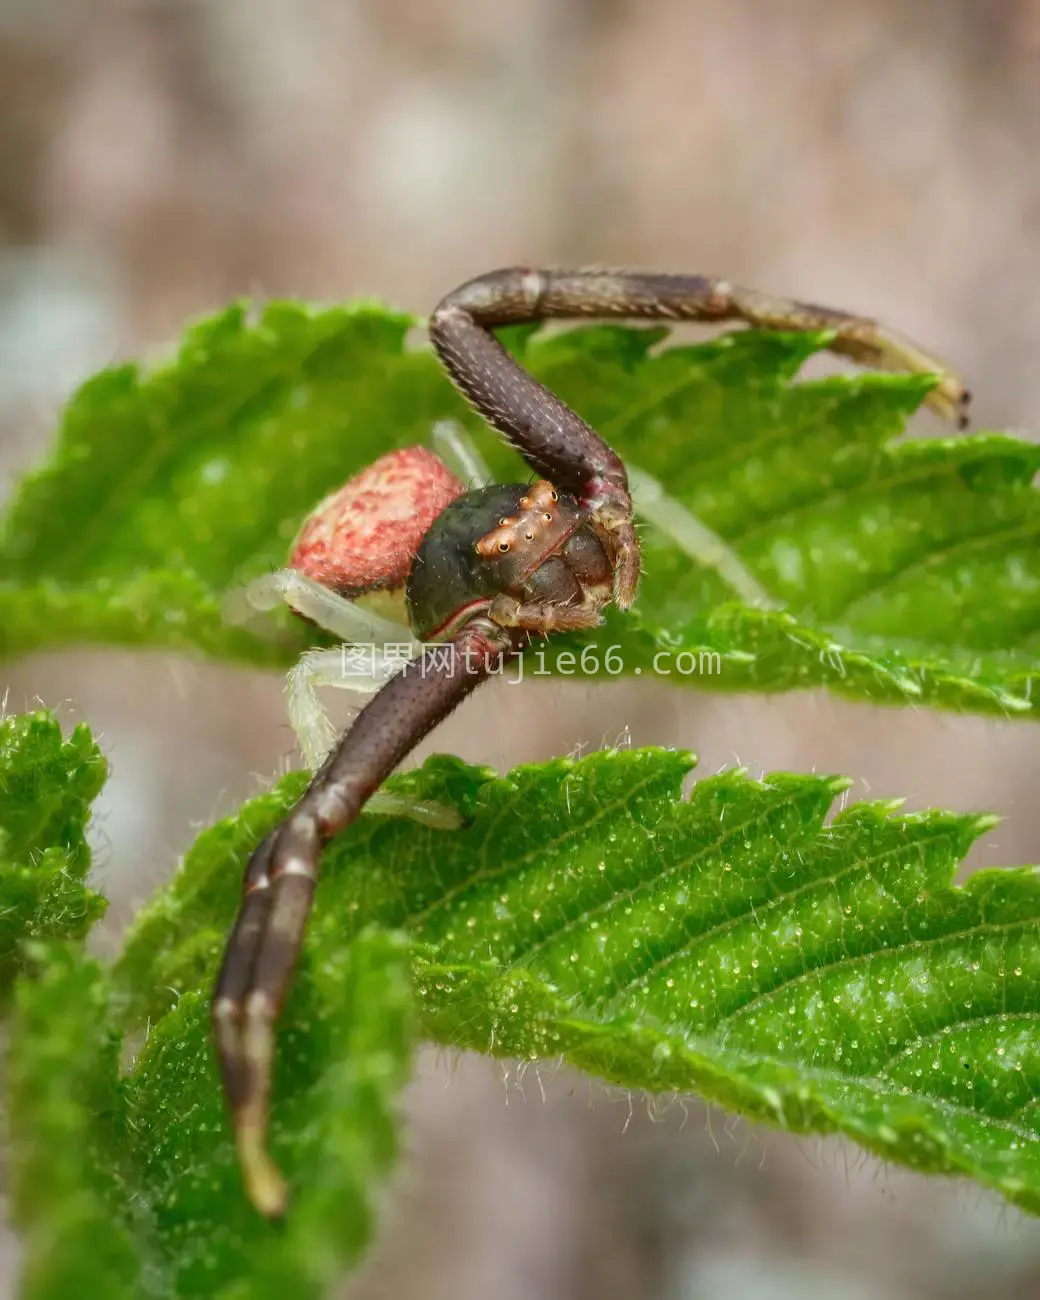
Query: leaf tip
980,823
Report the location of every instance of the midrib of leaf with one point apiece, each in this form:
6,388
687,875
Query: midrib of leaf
698,418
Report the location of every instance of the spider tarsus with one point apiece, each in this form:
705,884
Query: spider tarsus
626,569
962,408
265,1186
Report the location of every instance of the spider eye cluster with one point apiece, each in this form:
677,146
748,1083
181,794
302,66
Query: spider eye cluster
526,526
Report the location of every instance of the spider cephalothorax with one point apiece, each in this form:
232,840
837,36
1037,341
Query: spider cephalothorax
482,571
520,557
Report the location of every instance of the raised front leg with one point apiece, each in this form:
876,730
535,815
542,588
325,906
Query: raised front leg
556,441
282,873
553,439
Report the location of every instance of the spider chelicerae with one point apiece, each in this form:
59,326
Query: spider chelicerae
483,568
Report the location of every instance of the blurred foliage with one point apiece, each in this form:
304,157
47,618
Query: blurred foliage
47,785
129,1186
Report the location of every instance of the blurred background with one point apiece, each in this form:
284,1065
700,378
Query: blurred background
159,158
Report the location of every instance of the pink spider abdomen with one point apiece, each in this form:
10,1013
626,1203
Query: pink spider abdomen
364,536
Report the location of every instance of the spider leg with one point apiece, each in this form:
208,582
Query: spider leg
562,446
359,668
459,452
334,613
552,438
543,616
363,669
694,538
282,873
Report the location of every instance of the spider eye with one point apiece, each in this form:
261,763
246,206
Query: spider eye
503,546
503,523
547,517
529,536
554,495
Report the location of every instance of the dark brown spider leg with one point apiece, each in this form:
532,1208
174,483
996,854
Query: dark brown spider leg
554,601
552,438
543,616
525,294
281,876
562,446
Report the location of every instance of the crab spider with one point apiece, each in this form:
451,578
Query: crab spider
372,645
482,571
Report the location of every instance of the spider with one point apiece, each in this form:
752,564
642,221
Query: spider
483,571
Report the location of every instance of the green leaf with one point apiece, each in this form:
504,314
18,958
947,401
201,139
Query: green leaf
127,1184
47,785
819,975
64,1119
128,1187
905,572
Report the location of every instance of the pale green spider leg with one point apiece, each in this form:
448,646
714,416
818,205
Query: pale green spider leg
695,539
362,668
459,452
374,649
344,618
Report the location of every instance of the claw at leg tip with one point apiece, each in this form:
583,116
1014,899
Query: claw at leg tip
952,400
964,416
